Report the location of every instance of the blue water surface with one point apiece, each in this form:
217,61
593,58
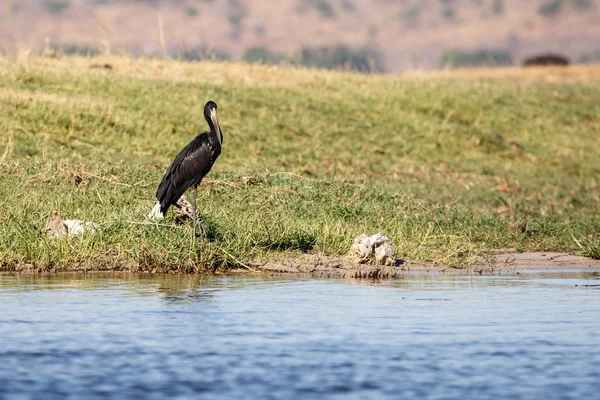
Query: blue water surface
528,336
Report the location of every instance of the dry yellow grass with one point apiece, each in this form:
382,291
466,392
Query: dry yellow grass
238,73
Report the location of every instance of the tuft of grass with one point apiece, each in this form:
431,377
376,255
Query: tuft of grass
448,165
590,246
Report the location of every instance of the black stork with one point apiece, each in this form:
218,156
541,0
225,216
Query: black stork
190,166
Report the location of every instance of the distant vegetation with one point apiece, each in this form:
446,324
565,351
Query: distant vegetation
550,7
56,6
348,5
582,4
351,20
478,58
498,7
200,53
263,55
341,57
546,59
554,7
338,57
592,57
15,6
324,7
190,11
72,49
410,15
448,12
236,15
78,49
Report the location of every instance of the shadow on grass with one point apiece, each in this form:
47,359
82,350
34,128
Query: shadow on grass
298,241
301,241
211,228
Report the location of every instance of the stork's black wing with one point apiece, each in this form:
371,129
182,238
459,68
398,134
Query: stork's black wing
189,167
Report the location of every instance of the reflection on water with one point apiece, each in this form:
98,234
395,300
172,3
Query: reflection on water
139,336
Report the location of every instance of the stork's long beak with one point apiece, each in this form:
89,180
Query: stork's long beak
215,121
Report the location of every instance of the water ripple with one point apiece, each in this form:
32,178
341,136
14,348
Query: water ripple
440,337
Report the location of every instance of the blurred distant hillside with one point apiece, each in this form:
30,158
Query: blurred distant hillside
366,34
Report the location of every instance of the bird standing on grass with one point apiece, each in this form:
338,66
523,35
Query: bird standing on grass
189,167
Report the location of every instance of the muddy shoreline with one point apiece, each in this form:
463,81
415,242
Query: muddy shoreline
321,266
506,261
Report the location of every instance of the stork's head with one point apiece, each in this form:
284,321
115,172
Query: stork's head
210,114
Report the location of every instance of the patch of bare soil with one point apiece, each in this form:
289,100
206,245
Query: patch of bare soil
543,261
342,267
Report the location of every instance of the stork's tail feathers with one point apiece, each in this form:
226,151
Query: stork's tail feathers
156,213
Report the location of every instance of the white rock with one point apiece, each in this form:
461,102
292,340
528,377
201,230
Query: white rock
384,254
76,227
57,227
375,249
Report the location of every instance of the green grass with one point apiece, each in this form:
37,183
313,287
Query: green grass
447,165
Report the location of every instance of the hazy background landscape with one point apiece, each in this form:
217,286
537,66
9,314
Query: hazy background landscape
384,35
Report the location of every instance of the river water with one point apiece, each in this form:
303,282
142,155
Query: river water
527,336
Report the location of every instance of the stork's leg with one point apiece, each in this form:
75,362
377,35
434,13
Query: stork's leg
194,217
195,214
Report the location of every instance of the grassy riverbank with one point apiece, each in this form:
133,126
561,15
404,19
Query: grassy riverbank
448,165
